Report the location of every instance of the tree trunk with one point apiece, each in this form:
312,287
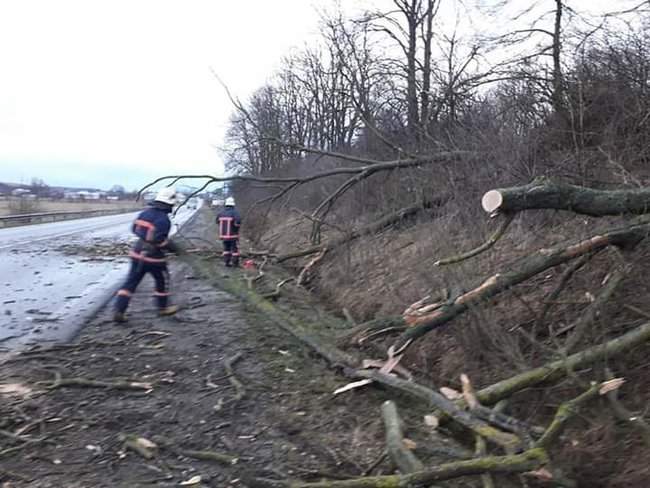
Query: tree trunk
543,193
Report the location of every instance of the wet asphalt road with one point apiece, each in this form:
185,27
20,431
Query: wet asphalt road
52,280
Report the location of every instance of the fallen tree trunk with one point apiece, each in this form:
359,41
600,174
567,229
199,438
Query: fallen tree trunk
560,368
322,345
526,268
514,463
371,228
544,193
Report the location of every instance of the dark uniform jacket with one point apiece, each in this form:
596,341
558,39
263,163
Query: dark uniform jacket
152,227
229,222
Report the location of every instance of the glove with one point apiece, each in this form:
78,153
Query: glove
175,248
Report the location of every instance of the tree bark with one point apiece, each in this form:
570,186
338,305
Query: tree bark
403,458
543,193
514,463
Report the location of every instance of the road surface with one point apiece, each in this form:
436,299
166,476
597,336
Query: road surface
55,276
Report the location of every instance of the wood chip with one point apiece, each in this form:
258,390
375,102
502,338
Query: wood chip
611,385
431,421
194,480
450,393
352,386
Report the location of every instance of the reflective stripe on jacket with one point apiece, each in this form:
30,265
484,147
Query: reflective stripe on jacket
152,226
229,223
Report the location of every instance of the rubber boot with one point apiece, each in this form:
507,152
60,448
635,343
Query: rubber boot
226,260
170,310
235,261
119,317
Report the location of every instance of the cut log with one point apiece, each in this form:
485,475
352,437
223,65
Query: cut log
543,193
526,268
403,458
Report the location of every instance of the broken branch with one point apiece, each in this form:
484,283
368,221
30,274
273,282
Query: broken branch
403,458
492,240
558,369
528,267
513,463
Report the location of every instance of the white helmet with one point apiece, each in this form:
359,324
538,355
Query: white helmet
166,195
230,202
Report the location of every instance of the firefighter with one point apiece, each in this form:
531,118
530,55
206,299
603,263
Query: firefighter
229,222
152,228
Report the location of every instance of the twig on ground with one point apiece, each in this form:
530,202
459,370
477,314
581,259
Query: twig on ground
60,382
276,293
238,385
203,455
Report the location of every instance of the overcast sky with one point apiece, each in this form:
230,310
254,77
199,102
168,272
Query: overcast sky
103,92
99,92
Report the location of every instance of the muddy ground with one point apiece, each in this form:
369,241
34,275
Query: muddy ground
274,415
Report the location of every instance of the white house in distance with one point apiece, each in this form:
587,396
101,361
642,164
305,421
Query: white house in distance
84,195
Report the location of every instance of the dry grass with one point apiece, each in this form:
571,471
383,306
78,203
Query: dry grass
13,206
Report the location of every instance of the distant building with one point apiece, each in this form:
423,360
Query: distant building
84,195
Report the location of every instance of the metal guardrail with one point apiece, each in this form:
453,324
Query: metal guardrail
43,217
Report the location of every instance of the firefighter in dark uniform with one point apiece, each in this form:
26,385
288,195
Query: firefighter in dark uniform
152,228
229,222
